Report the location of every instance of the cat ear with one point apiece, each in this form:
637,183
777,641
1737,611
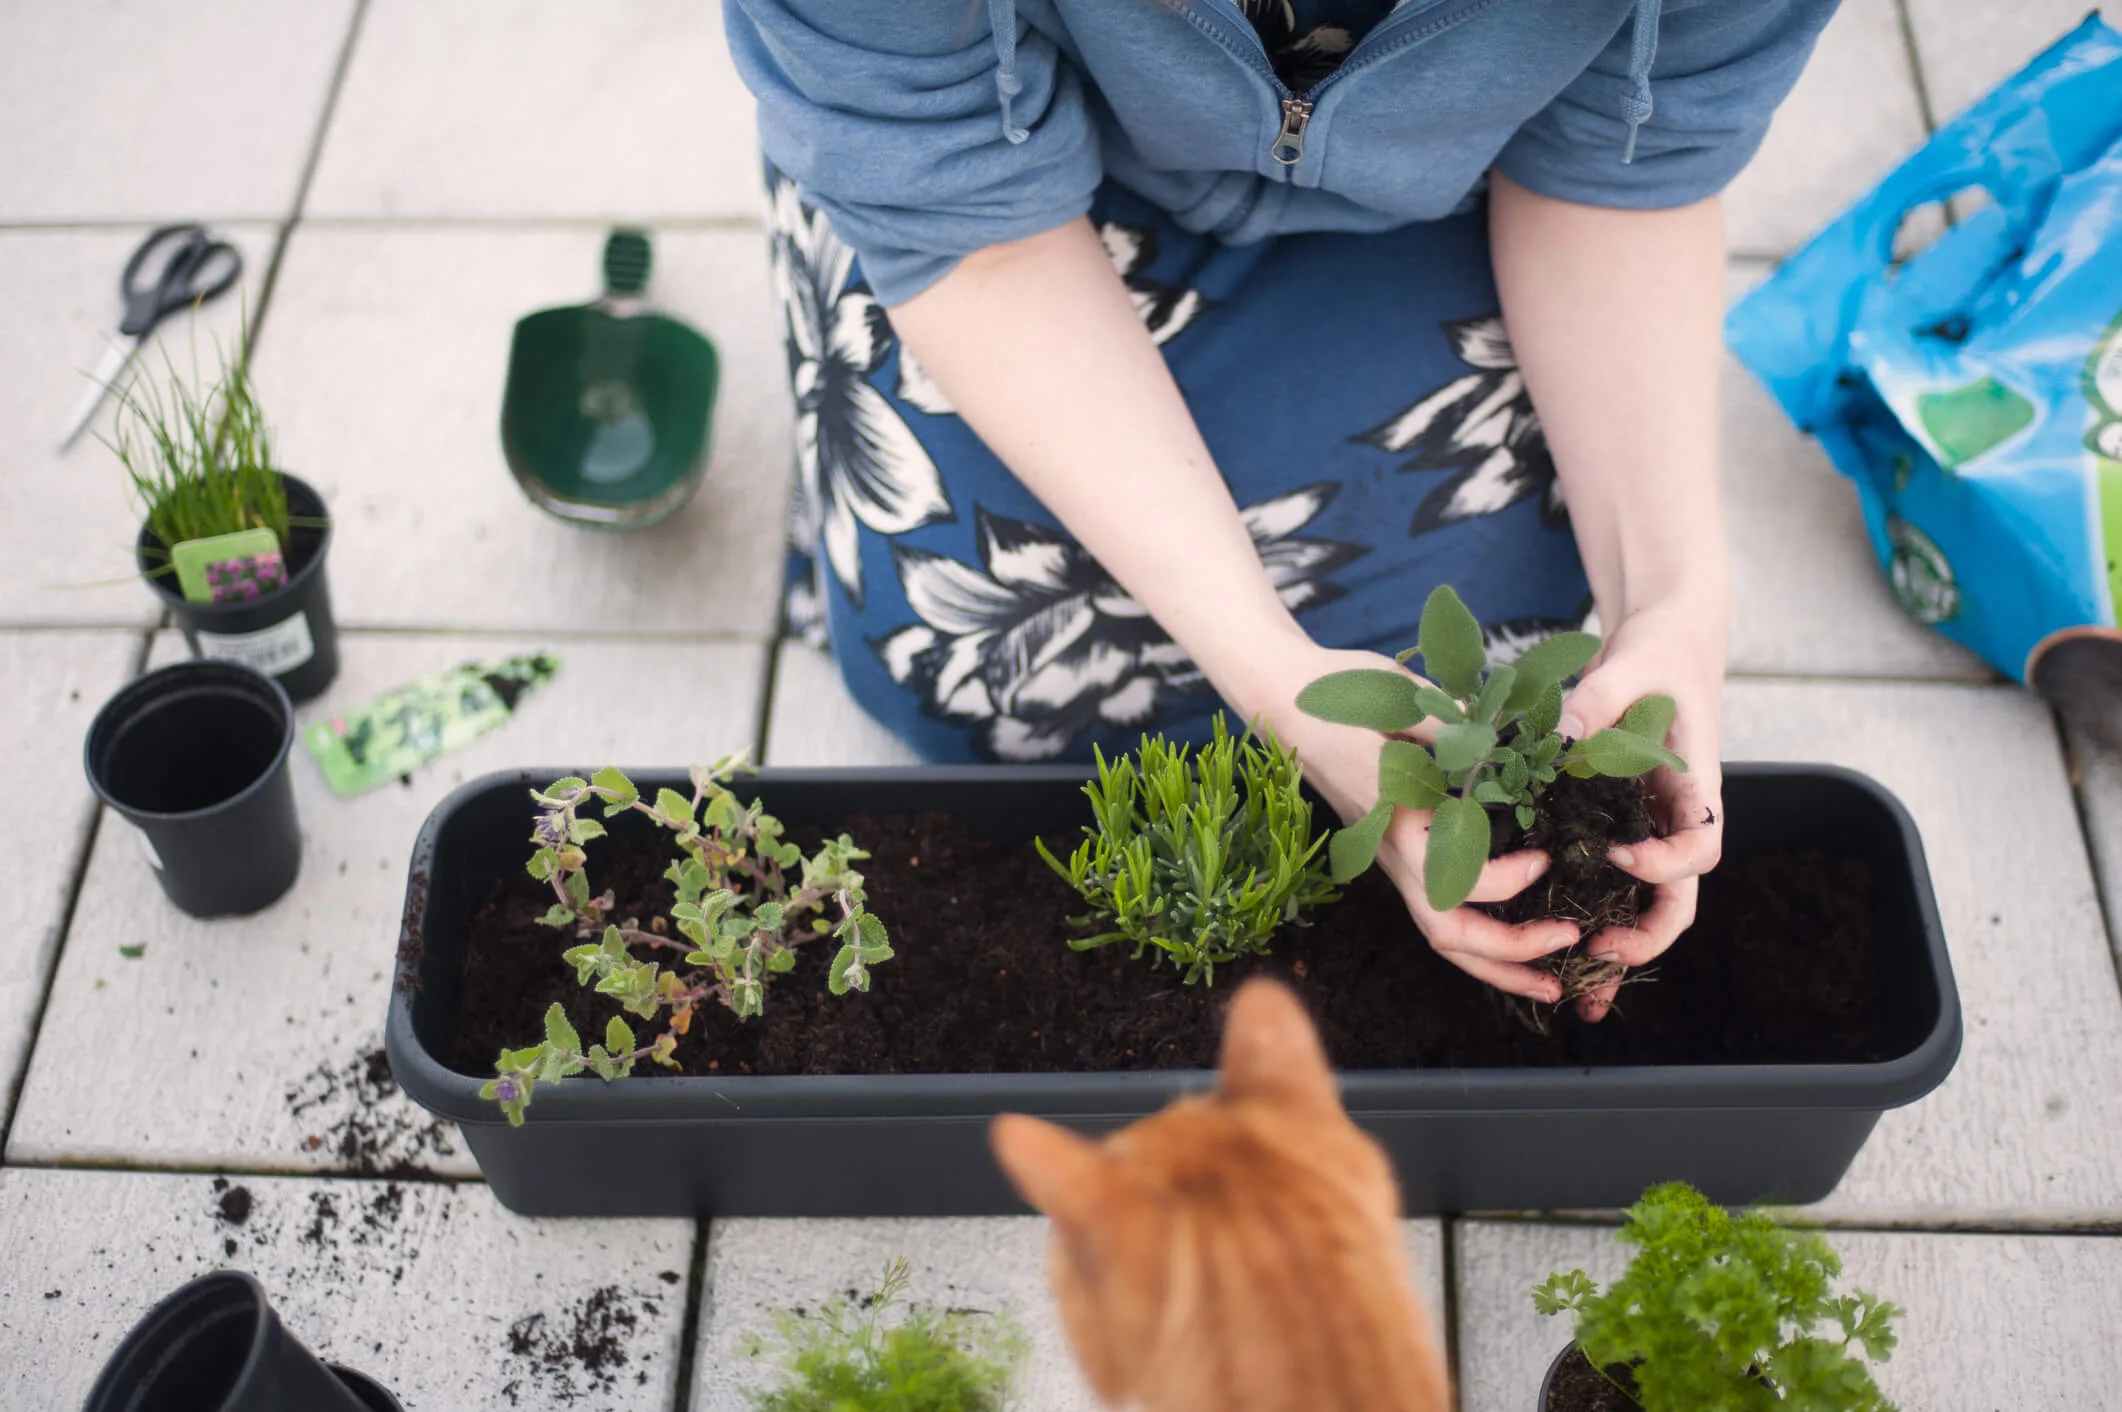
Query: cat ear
1271,1052
1061,1174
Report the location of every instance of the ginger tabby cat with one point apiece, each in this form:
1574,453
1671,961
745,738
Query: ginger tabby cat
1237,1252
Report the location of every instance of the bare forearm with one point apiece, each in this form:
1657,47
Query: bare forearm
1615,318
1041,350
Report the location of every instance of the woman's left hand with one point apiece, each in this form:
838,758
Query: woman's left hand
1669,650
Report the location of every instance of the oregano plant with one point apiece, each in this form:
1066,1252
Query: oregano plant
1198,856
1498,741
745,899
1720,1310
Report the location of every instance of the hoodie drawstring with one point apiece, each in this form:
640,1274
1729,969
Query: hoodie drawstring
1642,50
1002,17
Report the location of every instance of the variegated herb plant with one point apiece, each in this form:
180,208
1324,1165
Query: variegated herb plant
745,899
1497,741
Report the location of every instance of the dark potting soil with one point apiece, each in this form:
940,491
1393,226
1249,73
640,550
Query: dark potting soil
1579,820
1776,968
1579,1387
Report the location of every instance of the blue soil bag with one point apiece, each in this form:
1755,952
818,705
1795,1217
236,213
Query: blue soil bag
1974,392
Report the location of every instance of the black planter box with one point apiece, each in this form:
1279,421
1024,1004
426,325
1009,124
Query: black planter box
1462,1139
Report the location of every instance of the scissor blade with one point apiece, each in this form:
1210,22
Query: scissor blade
115,360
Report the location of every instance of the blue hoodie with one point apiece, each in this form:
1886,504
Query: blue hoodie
928,129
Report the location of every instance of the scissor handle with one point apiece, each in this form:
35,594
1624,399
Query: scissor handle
196,269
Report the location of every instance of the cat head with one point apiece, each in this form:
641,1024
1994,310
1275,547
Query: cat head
1240,1250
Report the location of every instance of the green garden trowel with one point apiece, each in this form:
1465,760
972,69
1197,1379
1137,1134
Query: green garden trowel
606,415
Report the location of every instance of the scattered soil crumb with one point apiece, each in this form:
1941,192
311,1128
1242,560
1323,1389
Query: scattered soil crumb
369,1128
575,1353
234,1206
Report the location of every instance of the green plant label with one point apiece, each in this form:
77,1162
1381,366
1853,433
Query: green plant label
2103,389
229,568
402,730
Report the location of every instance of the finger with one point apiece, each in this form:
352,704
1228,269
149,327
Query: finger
1672,912
1463,930
1593,1006
1506,877
1596,703
1687,854
1511,980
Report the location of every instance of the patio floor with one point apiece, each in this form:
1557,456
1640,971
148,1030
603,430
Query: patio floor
405,180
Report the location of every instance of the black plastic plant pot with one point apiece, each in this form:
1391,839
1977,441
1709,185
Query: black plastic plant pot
216,1346
288,634
1461,1139
194,758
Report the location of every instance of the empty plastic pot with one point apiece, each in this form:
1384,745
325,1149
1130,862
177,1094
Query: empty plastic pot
194,759
216,1346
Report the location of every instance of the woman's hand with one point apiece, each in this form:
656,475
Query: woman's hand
1341,762
1671,650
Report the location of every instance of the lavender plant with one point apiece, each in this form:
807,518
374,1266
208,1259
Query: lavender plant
1200,858
1497,742
746,898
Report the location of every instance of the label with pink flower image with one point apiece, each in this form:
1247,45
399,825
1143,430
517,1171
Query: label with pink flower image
246,579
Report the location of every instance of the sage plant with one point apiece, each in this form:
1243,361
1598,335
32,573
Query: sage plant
1497,741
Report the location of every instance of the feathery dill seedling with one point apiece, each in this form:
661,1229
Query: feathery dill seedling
1200,858
846,1357
739,911
1497,741
1718,1310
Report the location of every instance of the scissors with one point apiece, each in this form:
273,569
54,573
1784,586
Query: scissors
195,268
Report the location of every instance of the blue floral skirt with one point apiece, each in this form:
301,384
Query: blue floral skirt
1358,393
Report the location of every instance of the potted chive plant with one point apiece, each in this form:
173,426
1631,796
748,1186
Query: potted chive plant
1716,1309
800,1065
233,545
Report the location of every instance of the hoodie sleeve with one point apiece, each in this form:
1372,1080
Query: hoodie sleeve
919,135
1721,68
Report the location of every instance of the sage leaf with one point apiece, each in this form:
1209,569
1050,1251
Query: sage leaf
558,1032
1452,647
1464,746
1621,754
1370,697
1547,663
1410,777
1457,852
1354,848
1651,718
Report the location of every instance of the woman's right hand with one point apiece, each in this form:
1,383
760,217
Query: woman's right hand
1341,762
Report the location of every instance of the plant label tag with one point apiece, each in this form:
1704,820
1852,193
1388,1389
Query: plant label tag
400,731
282,647
229,568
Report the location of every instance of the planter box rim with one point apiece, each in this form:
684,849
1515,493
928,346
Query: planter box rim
863,1098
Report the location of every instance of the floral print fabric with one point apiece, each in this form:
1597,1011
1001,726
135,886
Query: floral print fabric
1360,397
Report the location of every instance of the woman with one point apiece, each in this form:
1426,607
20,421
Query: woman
1153,351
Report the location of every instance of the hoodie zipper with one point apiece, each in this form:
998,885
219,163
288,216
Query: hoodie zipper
1288,146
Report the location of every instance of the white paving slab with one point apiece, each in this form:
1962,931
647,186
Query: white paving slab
143,111
56,682
66,523
499,108
1853,114
814,721
385,366
2028,1128
255,1043
432,1289
1991,1321
2098,773
993,1264
1967,49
